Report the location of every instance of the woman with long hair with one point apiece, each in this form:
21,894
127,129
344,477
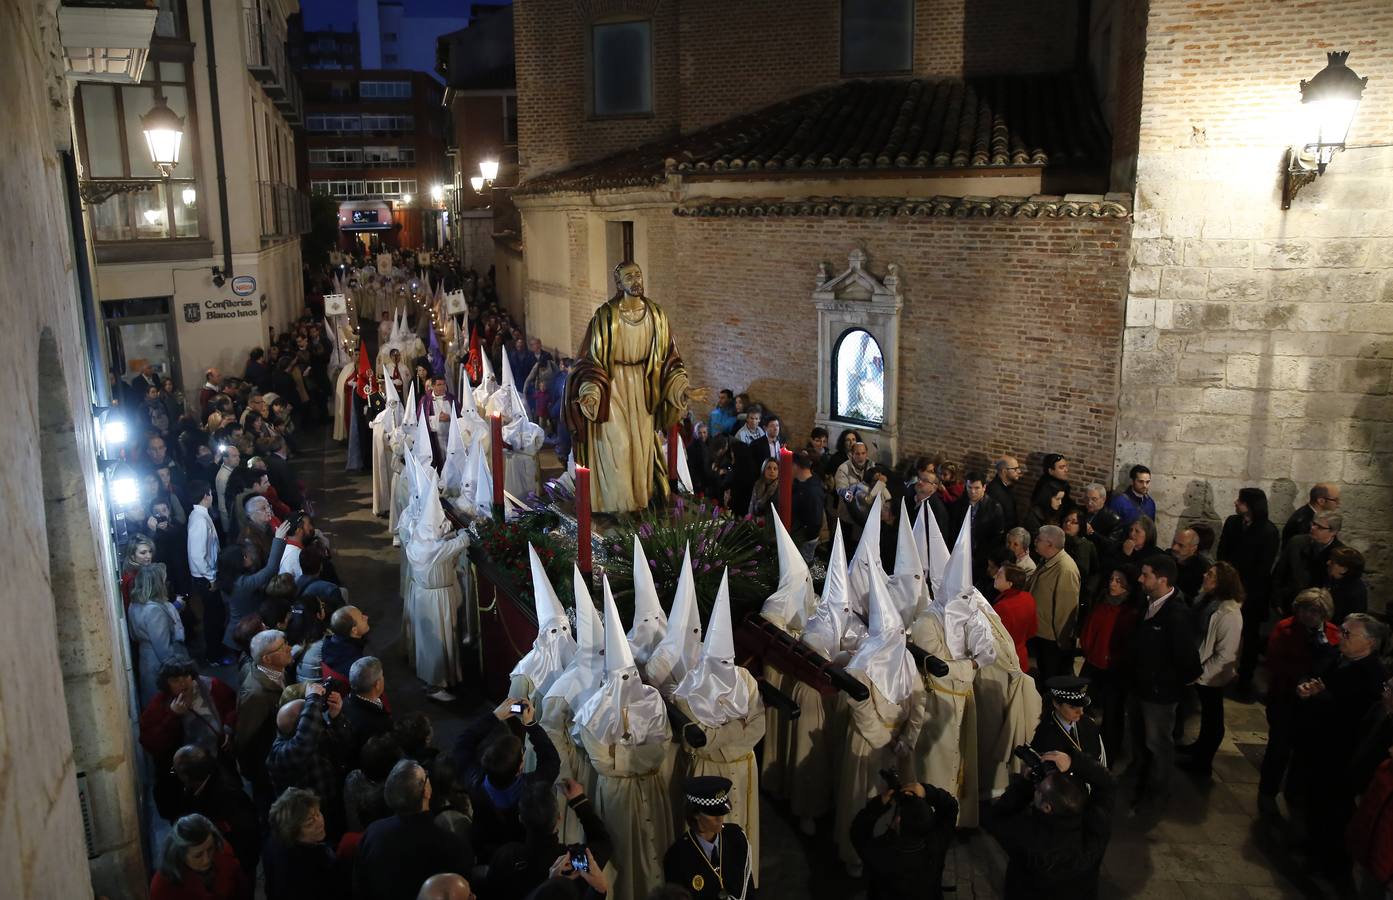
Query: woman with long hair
1141,540
197,864
155,628
140,552
849,438
1221,632
1249,542
1107,632
766,489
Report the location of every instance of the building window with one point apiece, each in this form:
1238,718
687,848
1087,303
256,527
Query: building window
336,156
389,59
113,147
510,120
877,36
389,123
170,20
384,90
621,66
333,123
858,378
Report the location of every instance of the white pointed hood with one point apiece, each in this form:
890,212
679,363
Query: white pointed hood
715,689
955,593
866,558
788,606
488,382
906,585
420,447
415,480
453,472
933,549
587,668
554,647
393,409
883,657
483,481
833,627
408,407
650,622
623,710
431,524
507,400
680,647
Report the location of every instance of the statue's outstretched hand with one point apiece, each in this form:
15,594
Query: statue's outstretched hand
700,395
588,399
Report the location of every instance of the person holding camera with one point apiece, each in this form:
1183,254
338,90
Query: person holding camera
712,857
312,743
519,866
489,758
905,857
1054,826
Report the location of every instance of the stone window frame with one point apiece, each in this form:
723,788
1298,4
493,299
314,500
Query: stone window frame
858,300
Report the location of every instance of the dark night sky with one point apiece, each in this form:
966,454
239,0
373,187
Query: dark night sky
341,14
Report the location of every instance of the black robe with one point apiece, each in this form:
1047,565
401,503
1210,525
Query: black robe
687,865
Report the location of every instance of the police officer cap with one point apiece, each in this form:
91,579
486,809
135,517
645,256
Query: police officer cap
709,795
1068,689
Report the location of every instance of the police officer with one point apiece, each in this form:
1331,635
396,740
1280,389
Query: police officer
1065,727
711,859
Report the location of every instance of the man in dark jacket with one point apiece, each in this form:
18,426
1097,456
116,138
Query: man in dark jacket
311,750
1324,497
366,714
397,854
519,866
808,503
1304,558
987,519
1164,659
1008,472
1249,543
906,859
345,642
1055,831
489,758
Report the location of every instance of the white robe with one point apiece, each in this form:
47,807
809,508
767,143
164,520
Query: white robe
1008,709
873,726
381,466
557,718
730,753
946,755
433,607
631,796
340,422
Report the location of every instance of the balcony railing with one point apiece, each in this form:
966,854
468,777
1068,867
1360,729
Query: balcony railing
266,60
285,211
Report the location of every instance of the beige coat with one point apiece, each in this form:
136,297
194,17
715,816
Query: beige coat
729,752
1219,649
876,727
1055,586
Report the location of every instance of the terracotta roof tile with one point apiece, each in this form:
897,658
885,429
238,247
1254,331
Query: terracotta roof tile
881,125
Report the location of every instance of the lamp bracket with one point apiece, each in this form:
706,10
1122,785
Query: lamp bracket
1296,174
97,192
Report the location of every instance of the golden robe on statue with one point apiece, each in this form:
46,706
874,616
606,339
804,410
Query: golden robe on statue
628,384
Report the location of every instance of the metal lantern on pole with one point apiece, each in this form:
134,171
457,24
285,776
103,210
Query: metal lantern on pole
164,132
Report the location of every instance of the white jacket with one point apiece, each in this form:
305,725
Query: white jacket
1219,649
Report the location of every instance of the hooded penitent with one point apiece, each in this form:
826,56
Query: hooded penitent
883,657
955,596
421,447
408,418
650,622
488,383
866,559
454,473
554,647
933,550
587,667
907,584
714,689
833,627
431,524
788,606
623,710
680,647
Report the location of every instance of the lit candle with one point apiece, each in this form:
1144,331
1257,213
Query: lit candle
786,486
672,439
496,448
583,520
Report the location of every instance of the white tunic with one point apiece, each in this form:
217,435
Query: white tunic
433,607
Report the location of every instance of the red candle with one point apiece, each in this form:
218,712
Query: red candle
672,439
786,486
496,442
583,519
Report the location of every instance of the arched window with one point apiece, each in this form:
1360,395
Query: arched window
858,378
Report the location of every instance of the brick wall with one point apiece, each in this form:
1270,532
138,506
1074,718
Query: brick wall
1259,343
1008,334
715,59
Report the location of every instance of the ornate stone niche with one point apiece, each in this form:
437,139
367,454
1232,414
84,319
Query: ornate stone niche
858,329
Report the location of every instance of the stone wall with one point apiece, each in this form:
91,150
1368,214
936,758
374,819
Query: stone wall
1259,343
63,681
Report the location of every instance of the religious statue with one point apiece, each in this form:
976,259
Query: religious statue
628,385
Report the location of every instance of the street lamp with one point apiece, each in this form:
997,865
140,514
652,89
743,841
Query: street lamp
164,131
1328,104
405,199
489,169
437,193
477,183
